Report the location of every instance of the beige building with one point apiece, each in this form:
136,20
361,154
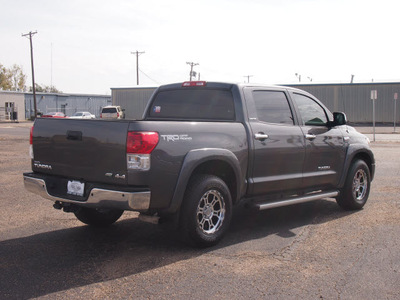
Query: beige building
12,106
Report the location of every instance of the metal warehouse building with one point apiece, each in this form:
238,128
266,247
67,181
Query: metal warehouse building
133,100
12,106
353,99
19,106
66,103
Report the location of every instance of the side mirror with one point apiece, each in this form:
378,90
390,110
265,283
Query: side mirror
339,118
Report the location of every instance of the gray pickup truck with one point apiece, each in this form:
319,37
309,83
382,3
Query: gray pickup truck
201,148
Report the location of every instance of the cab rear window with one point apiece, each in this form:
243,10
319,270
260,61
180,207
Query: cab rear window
193,104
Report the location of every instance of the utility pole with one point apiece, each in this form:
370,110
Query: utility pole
30,34
248,78
137,64
192,64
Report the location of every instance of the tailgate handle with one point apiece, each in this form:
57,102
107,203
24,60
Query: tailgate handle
74,135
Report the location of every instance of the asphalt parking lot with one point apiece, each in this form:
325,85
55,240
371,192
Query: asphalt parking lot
308,251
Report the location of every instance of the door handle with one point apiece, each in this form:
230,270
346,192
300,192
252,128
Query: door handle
260,136
310,136
74,135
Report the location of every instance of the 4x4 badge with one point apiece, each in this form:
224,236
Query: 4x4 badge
115,176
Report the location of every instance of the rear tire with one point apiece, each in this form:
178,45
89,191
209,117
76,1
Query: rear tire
355,192
206,211
99,217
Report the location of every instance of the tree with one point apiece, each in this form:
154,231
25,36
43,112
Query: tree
18,78
45,89
5,83
12,79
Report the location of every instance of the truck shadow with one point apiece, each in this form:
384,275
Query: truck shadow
55,261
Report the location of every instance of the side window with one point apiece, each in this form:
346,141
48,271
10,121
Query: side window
272,107
310,111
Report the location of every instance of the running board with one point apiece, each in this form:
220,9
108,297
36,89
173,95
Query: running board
296,200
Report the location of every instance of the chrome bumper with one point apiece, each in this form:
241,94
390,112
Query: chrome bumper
98,198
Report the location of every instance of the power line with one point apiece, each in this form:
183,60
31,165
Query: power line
137,64
149,77
30,34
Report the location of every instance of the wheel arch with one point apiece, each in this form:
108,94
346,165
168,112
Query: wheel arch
218,162
367,159
358,153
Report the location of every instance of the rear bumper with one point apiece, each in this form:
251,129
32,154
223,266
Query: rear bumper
97,198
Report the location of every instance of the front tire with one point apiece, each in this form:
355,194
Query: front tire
98,217
206,211
355,193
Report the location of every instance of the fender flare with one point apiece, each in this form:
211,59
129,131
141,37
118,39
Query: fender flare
352,151
196,157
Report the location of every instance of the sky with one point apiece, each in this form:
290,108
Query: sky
86,46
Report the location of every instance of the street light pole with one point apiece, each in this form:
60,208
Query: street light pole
374,97
395,114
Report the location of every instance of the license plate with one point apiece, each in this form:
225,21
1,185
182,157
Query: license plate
75,188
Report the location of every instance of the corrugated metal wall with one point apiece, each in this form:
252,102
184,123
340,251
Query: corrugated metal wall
355,100
66,103
133,100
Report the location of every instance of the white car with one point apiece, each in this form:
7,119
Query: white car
83,115
112,112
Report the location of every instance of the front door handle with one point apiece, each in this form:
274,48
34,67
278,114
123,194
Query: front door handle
261,136
310,136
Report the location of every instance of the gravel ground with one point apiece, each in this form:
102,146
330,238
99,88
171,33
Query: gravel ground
308,251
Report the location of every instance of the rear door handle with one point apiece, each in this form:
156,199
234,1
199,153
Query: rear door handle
261,136
310,136
74,135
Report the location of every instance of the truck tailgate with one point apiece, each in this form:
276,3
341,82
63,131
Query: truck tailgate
87,150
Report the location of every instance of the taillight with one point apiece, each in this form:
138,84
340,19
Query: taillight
117,115
31,136
141,142
31,143
139,145
101,116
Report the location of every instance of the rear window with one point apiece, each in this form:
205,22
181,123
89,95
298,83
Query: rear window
193,104
109,110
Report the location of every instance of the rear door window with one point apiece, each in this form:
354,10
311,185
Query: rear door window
193,104
272,107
